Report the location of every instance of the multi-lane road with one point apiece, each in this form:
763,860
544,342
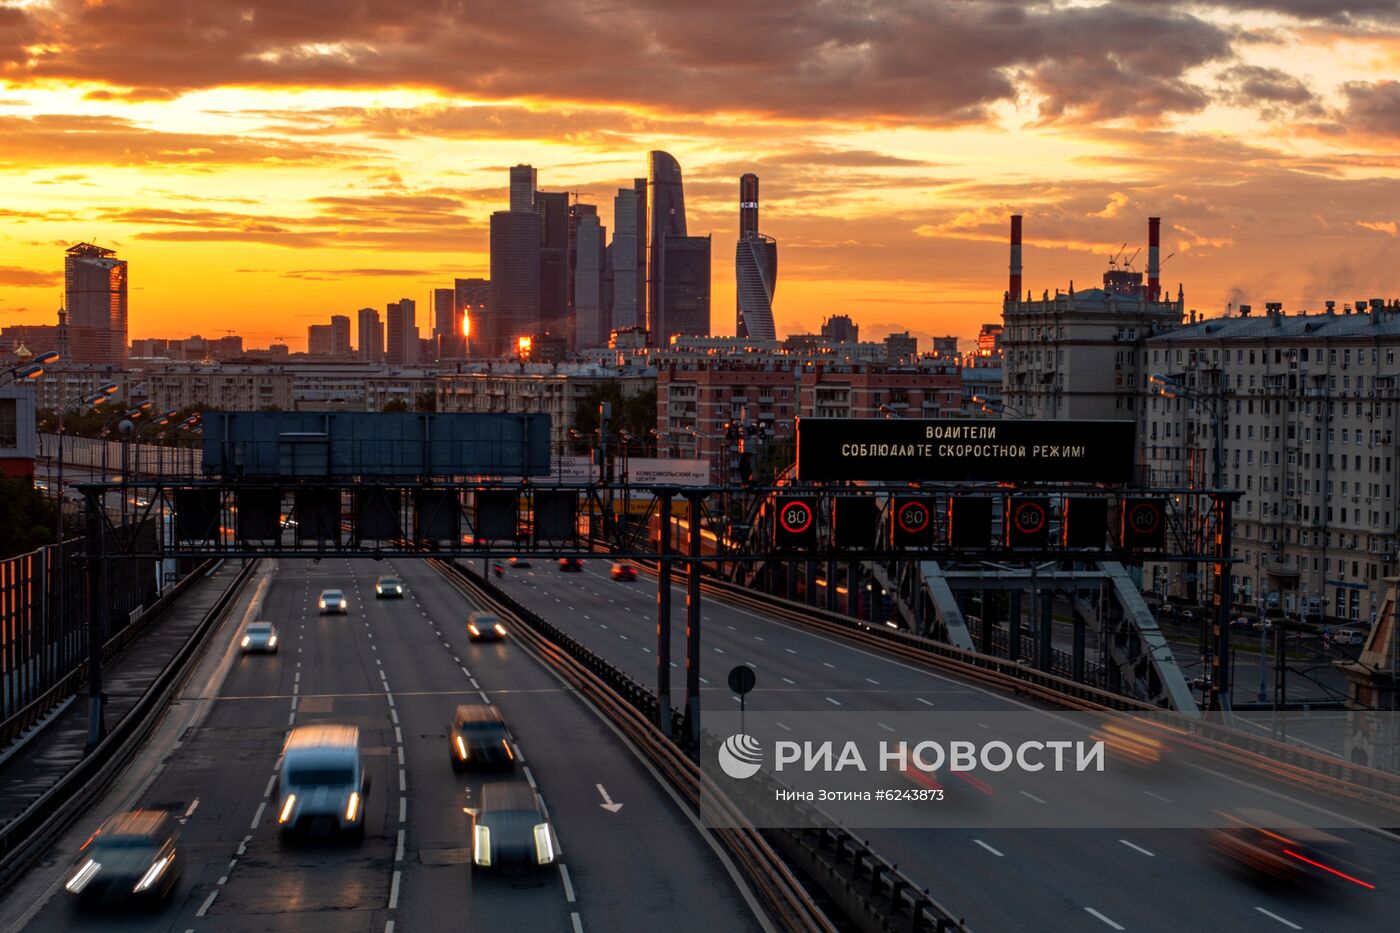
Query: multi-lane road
999,879
396,669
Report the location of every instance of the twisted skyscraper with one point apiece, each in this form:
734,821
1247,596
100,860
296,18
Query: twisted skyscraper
755,269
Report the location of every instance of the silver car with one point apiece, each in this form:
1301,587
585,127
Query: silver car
321,782
333,601
259,637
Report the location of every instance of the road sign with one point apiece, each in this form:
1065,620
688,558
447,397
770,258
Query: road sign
855,522
1144,523
970,522
911,522
742,679
1085,523
1027,521
795,523
908,449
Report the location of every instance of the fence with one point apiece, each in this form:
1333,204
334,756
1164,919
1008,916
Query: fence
95,454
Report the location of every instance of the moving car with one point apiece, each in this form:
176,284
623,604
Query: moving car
570,565
130,858
1349,636
1274,848
509,830
259,636
388,588
478,738
485,626
521,562
333,601
321,782
622,571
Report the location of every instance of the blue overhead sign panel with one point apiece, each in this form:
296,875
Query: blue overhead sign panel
375,445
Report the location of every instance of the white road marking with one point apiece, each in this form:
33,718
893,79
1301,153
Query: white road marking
789,651
530,777
1100,916
394,892
403,809
1137,848
833,702
272,779
785,728
1273,916
875,682
704,680
401,756
243,846
394,715
388,926
398,735
885,727
1158,796
208,902
193,804
568,885
475,685
923,701
719,651
1026,793
829,664
787,681
988,848
398,848
403,780
484,697
578,924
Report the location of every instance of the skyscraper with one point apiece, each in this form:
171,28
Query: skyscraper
553,208
755,269
401,332
320,340
685,288
371,336
340,335
95,283
639,185
515,280
523,180
447,325
590,323
665,218
473,304
628,301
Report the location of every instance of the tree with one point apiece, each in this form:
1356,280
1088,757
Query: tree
635,414
396,404
425,401
29,517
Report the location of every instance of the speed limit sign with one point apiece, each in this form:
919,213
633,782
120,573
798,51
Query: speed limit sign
795,523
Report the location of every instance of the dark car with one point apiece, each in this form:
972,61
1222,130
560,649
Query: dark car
1273,848
520,562
388,588
131,858
623,572
509,830
485,626
570,565
478,738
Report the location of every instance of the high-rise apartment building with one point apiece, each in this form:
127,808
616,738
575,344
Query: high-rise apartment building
320,340
447,340
95,287
665,221
523,182
371,336
515,281
401,333
340,335
628,301
553,208
472,302
839,328
755,269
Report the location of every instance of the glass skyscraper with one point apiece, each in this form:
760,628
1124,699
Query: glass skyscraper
755,269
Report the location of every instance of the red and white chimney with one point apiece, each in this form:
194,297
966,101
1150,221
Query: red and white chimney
1014,288
1154,258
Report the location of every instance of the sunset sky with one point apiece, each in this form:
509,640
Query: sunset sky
263,164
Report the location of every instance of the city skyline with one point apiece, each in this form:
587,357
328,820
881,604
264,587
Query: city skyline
285,179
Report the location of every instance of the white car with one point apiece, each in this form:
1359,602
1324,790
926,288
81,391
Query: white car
259,637
333,601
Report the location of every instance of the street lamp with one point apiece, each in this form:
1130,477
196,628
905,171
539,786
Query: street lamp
33,369
161,421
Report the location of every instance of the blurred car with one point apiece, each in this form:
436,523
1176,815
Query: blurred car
570,565
1240,623
333,601
1263,625
1275,848
259,637
485,626
478,738
388,588
1134,743
623,572
521,562
509,830
131,857
321,782
41,485
1349,636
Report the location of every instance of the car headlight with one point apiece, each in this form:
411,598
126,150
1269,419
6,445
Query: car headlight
247,641
481,846
323,604
152,874
500,629
471,627
287,805
544,845
506,746
272,641
83,875
352,809
461,749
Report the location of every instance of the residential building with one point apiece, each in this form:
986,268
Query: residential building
401,333
340,335
371,336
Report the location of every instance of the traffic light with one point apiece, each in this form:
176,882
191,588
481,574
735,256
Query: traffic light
855,522
1027,522
1144,523
1085,523
911,522
970,522
794,523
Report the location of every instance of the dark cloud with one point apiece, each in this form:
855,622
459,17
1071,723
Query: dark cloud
1371,109
940,62
1337,11
17,277
1274,93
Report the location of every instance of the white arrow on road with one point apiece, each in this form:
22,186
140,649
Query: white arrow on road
607,803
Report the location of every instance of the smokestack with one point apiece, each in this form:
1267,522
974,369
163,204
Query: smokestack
1015,285
1154,258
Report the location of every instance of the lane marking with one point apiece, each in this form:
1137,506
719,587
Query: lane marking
484,697
257,817
401,762
789,651
829,664
1026,793
243,846
787,681
578,924
193,805
398,849
394,891
1100,916
394,715
271,780
403,809
885,727
833,702
875,682
208,902
785,728
923,701
988,848
568,885
1137,848
1158,796
403,780
1273,916
398,735
530,777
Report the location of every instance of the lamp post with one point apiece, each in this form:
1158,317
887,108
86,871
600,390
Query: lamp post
31,370
1221,505
161,421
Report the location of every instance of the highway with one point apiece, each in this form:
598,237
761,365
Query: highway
998,879
396,669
